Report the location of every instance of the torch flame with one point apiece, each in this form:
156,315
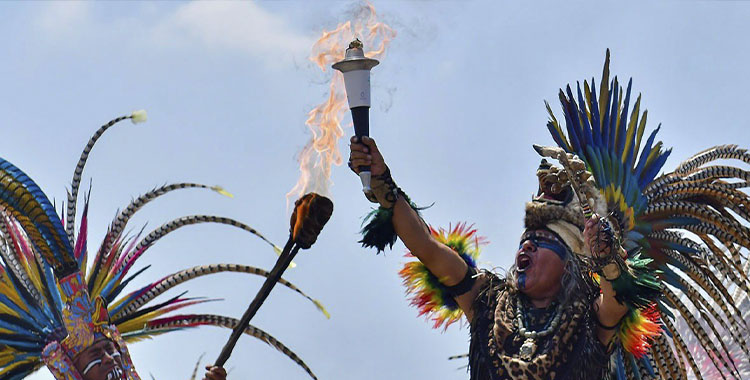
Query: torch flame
324,121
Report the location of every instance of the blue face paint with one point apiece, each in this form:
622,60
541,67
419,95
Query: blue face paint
522,281
544,239
555,247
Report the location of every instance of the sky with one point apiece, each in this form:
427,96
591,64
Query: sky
457,104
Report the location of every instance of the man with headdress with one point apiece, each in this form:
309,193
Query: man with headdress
603,267
57,311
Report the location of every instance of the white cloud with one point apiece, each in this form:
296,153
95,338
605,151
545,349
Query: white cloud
63,19
235,25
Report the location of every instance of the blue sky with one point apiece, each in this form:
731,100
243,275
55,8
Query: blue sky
457,103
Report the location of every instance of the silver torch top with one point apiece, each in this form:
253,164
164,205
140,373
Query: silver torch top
355,59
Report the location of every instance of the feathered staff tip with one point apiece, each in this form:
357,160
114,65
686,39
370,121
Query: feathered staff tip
138,116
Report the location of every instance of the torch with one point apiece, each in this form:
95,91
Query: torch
311,213
356,68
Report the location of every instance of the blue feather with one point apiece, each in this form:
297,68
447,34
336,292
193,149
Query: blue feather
605,118
634,366
672,278
110,297
27,299
654,169
23,345
647,364
605,180
555,135
623,126
594,162
612,121
645,152
595,123
571,110
16,328
110,285
51,226
619,367
572,133
634,235
581,111
52,286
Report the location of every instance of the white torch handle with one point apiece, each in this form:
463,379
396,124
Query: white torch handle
357,84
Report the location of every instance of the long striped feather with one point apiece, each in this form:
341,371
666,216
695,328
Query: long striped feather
185,321
138,298
124,263
77,173
121,220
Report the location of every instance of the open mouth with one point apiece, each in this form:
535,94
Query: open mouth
116,374
523,262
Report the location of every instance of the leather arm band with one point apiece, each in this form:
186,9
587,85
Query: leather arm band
466,284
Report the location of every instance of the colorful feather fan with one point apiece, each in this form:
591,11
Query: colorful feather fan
691,222
37,249
425,290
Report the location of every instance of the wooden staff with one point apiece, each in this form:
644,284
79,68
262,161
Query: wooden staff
311,213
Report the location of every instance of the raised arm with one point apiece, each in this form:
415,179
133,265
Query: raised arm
441,260
609,311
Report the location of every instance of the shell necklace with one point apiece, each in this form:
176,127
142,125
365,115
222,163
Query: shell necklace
528,348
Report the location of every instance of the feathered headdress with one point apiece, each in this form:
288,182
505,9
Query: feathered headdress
688,225
53,305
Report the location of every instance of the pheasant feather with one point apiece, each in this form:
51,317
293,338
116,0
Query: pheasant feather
691,224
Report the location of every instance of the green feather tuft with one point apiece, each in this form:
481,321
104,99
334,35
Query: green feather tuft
637,287
378,231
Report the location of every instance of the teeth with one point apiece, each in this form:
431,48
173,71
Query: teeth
114,374
523,262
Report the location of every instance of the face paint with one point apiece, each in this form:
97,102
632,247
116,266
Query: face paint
522,281
545,239
105,353
91,365
555,247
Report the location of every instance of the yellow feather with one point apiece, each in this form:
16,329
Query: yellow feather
587,93
603,91
619,115
33,273
117,303
98,287
6,310
555,124
639,136
322,309
16,299
138,323
18,364
221,191
654,152
631,129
